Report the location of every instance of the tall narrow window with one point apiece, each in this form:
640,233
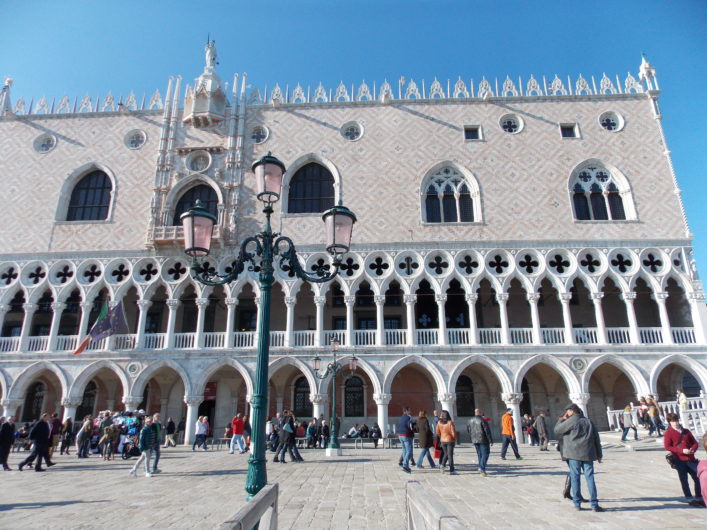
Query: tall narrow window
311,190
448,199
202,192
596,198
88,402
34,402
616,204
90,198
302,406
598,195
353,397
465,396
581,205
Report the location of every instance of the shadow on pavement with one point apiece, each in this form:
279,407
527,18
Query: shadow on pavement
34,505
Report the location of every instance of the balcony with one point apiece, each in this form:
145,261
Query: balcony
168,235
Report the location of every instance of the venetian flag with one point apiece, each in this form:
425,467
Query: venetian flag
109,322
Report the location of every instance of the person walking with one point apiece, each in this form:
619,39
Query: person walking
146,445
425,439
55,425
83,438
581,446
170,429
200,430
237,434
682,444
627,423
654,414
41,438
247,433
7,438
481,437
509,435
447,434
406,436
376,434
541,428
67,436
157,428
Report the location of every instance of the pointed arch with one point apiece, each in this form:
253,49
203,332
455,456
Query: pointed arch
449,192
414,359
5,384
10,294
79,383
206,373
22,381
297,363
565,372
637,378
599,191
185,185
685,362
138,386
311,158
74,178
38,293
484,360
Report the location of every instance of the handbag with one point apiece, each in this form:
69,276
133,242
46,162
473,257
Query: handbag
671,458
437,450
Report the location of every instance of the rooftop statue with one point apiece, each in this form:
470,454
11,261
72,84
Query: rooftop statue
211,53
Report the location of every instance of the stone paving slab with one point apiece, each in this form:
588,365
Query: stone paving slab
364,489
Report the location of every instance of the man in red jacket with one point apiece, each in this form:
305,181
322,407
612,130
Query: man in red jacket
237,438
683,445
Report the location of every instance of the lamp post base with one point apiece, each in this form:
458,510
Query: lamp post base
333,451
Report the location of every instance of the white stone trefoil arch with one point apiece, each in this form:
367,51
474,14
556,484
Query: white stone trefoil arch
470,179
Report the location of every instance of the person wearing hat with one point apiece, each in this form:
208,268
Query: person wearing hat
581,446
509,435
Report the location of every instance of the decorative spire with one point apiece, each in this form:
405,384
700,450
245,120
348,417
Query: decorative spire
5,104
647,73
206,105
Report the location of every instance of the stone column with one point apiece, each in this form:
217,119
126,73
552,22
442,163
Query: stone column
58,309
581,400
471,299
441,299
163,410
449,402
629,298
193,403
132,402
4,308
318,404
319,302
349,300
512,401
567,317
599,316
533,299
144,306
27,325
664,319
83,323
290,326
410,300
279,403
110,341
231,304
172,305
110,403
382,401
201,304
696,299
10,406
502,299
379,299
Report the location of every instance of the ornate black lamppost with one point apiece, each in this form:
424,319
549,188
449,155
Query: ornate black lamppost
333,368
268,246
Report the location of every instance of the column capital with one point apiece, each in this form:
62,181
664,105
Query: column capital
533,298
29,308
379,299
290,301
565,297
629,296
660,296
320,300
72,402
201,302
317,398
512,398
502,298
144,304
471,297
257,301
440,298
193,400
231,302
410,298
579,399
349,299
173,303
447,398
58,306
86,305
12,402
131,402
697,296
596,297
382,399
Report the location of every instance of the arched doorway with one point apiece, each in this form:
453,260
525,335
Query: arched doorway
544,388
609,387
412,386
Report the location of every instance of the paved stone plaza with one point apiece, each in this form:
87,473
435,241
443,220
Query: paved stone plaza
363,489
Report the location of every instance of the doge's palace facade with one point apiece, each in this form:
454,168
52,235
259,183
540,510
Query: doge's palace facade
520,243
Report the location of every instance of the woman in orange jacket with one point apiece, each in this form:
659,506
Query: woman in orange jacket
447,435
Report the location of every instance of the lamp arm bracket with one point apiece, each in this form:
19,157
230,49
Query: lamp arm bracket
285,249
209,276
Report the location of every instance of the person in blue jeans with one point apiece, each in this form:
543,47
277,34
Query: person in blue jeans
581,446
481,437
425,439
406,435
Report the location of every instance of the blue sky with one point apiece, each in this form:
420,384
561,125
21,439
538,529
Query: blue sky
52,48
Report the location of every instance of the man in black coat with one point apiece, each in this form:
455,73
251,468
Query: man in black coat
481,437
7,438
40,436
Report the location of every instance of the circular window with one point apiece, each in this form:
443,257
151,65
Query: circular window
351,131
44,143
135,139
511,123
259,134
611,121
199,161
